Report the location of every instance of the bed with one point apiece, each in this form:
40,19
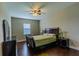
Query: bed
50,35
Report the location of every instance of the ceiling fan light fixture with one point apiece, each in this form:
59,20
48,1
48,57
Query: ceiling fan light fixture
36,12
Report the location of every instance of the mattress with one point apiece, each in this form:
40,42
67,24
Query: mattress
44,39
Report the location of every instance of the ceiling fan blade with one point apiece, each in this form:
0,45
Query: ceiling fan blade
30,5
43,5
43,13
28,10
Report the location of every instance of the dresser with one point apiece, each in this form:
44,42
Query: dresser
9,48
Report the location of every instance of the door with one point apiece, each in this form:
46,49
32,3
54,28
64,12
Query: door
8,46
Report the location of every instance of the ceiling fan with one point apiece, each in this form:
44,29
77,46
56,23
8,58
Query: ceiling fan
37,9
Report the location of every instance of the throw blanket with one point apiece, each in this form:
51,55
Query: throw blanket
44,39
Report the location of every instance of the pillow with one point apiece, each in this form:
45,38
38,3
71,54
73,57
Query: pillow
45,34
48,34
51,34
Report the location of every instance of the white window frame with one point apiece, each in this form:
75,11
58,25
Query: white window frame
26,26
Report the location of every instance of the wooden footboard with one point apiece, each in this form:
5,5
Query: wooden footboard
30,42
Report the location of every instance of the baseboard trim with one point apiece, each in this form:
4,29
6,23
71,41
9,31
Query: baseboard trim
76,48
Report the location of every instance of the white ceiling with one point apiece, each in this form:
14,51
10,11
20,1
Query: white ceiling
17,9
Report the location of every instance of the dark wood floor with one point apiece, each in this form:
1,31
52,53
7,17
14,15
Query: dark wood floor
23,50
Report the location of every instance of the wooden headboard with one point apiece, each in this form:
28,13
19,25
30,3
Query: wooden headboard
52,31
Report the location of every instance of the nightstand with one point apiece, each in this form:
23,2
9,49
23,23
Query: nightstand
64,42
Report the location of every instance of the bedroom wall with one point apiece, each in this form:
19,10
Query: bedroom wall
3,15
68,20
17,27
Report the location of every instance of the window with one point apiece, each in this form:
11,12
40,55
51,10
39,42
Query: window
26,29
